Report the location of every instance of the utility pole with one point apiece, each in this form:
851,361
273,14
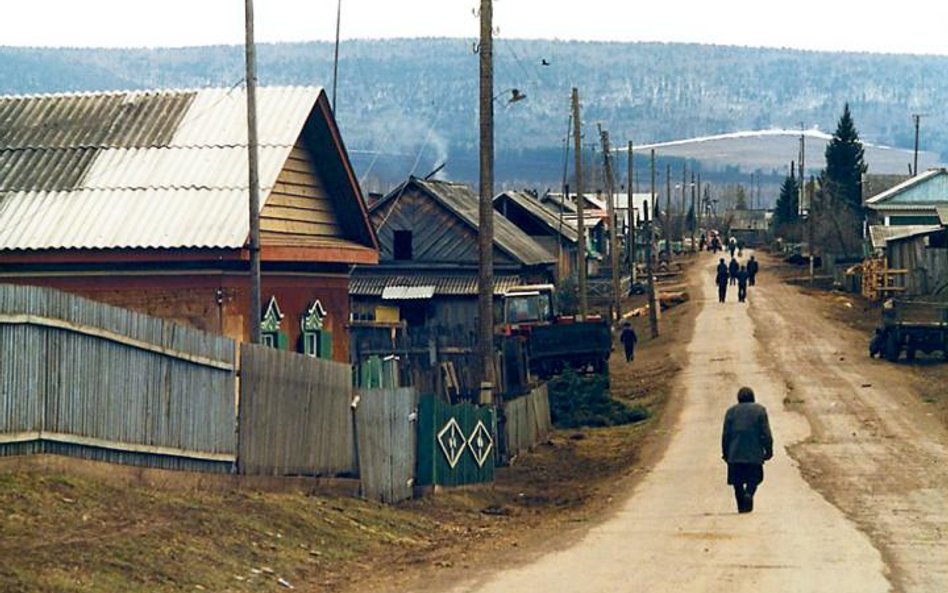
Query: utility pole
917,117
694,214
613,226
680,227
668,210
632,255
700,204
580,222
485,242
563,197
652,313
253,175
335,58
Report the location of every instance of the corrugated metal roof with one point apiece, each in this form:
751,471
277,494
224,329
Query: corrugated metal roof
541,214
164,169
931,187
880,234
463,201
942,214
407,293
369,282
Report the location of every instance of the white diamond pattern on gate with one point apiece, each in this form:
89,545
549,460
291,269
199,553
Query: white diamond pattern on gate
480,443
452,441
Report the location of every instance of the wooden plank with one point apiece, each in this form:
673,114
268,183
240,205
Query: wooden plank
297,178
298,214
288,227
26,319
300,200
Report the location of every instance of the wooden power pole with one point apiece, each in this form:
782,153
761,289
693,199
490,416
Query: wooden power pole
485,243
580,222
253,175
668,210
613,223
694,214
632,255
652,312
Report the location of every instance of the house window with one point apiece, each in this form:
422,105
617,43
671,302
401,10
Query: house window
271,333
315,340
402,245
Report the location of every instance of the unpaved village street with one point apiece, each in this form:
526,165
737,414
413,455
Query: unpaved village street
854,501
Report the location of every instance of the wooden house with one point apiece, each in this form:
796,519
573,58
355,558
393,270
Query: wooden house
422,298
920,200
549,229
140,199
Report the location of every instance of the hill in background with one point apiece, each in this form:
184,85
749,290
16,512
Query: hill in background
408,105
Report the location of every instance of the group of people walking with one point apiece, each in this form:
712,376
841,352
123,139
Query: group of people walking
735,274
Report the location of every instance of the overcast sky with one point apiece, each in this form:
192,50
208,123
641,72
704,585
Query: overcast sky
908,26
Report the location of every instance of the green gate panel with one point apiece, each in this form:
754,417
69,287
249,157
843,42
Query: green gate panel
456,443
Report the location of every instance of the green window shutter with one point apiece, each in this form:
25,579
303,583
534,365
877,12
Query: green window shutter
325,344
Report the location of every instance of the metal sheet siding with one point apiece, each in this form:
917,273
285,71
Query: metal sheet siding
138,170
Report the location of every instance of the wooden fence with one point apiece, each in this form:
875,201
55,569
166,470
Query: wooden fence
526,421
386,423
295,414
90,380
456,444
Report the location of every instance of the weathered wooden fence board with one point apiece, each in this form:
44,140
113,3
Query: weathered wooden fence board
386,436
527,421
82,378
295,414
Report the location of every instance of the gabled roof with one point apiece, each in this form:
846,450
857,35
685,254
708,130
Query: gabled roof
556,224
463,202
158,169
922,192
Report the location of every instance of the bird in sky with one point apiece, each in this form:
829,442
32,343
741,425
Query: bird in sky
544,62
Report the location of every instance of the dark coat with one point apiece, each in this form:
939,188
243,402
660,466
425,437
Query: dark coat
746,436
742,277
752,267
733,268
628,338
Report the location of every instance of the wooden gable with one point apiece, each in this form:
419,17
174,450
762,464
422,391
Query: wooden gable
438,235
299,208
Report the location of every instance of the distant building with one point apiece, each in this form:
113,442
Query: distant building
553,231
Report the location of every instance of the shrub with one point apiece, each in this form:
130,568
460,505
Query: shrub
583,400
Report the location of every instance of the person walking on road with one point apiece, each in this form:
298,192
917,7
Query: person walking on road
732,269
746,443
628,339
742,277
752,268
721,280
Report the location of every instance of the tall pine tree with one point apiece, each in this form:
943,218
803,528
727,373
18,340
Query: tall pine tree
788,203
845,163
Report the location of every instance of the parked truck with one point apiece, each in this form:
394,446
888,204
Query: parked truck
552,341
912,326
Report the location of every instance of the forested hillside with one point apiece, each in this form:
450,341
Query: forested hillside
408,104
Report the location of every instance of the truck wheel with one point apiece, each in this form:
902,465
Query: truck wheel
892,347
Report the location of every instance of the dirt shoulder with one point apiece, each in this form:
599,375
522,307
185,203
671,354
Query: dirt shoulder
106,530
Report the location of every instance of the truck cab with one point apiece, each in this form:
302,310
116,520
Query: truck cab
528,306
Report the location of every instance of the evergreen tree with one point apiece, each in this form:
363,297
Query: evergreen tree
787,210
740,201
845,163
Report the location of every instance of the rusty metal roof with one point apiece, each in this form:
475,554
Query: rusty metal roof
159,169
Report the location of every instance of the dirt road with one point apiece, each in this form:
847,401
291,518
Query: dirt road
854,500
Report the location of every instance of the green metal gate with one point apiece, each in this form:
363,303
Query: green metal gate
456,444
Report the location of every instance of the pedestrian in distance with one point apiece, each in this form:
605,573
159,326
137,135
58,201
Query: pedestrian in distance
742,278
721,279
746,443
752,268
733,268
628,339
